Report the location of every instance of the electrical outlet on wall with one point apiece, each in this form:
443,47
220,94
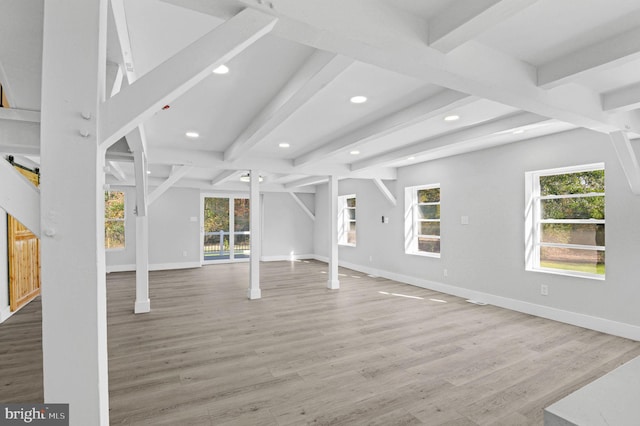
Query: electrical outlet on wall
184,253
544,289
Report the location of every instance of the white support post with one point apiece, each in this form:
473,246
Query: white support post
142,304
255,242
74,314
333,283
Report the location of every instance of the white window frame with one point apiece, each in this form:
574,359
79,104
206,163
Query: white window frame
412,220
123,220
533,220
345,221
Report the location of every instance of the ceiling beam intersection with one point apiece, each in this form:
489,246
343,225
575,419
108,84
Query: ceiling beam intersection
142,99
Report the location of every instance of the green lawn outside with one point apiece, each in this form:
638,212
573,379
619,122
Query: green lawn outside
579,267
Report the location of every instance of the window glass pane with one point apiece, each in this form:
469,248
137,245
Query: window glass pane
573,208
590,261
216,214
573,233
429,212
114,205
114,234
351,202
241,208
352,214
351,236
429,228
572,183
429,195
431,245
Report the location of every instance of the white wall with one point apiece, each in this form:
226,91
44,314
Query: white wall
171,231
485,259
286,228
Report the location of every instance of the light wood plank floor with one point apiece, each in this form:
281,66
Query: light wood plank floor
365,354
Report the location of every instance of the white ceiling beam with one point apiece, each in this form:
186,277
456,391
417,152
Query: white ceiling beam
223,177
223,9
20,115
469,133
420,111
118,13
463,20
140,172
213,160
311,180
471,68
179,173
137,139
19,197
23,135
205,185
623,99
317,72
303,206
628,159
385,191
116,171
114,77
608,53
139,101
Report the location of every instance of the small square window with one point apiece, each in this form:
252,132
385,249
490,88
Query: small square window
422,220
566,221
347,220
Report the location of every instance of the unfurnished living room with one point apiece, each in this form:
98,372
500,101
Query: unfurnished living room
337,212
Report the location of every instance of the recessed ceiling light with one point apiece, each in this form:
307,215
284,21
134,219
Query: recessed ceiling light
148,172
358,99
192,135
284,145
222,69
354,152
518,132
452,118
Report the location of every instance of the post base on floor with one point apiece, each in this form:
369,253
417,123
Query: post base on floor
142,307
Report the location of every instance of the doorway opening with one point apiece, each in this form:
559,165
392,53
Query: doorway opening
226,230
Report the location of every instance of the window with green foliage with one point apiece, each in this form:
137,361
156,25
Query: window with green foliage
347,220
114,237
568,221
422,220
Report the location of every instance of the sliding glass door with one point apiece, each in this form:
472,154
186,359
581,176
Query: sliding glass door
226,229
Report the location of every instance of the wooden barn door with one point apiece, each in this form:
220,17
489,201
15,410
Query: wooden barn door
24,257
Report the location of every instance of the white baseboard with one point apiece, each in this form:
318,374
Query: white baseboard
5,313
603,325
154,266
